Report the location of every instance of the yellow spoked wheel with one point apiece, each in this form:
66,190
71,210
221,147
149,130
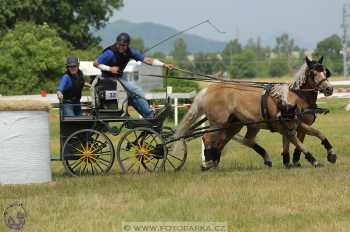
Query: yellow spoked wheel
176,151
141,150
88,152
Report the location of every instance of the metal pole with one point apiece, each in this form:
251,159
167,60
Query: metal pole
344,26
176,111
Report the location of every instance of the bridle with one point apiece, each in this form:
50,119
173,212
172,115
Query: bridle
317,67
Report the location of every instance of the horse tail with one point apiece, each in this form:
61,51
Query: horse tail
192,115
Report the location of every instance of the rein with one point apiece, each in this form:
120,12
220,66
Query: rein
212,79
207,129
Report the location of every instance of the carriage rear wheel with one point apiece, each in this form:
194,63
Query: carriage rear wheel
88,152
141,150
176,151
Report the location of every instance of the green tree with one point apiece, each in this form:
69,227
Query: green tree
330,48
278,68
180,53
284,48
285,45
159,55
32,57
72,19
138,43
262,55
232,48
244,65
207,63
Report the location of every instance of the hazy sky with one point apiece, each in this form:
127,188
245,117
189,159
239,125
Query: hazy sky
307,21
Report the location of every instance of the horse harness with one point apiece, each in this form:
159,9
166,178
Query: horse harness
264,106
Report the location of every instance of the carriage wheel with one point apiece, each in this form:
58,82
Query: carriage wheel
141,150
88,152
176,158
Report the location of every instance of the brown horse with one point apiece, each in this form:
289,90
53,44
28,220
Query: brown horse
231,107
309,119
301,87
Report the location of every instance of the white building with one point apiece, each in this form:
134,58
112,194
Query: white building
137,72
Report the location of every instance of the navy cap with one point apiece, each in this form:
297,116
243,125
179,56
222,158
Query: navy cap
72,60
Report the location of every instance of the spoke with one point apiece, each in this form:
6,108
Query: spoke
93,142
72,144
156,165
154,137
136,136
129,157
96,138
100,147
175,157
171,163
84,167
77,149
138,170
105,162
76,164
72,155
99,167
88,136
132,143
103,153
78,170
82,147
132,166
92,168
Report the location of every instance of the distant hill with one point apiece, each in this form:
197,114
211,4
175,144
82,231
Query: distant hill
153,33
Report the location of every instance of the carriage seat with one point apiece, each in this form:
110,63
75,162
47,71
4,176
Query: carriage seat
110,97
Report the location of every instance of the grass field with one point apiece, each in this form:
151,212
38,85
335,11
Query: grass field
242,192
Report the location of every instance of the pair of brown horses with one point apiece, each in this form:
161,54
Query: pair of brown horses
231,107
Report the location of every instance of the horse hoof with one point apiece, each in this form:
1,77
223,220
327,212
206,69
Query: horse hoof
208,165
296,165
287,166
332,158
268,163
318,165
203,169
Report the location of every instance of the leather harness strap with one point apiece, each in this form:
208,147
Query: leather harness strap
264,106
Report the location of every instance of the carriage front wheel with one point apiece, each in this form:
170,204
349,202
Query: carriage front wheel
141,150
88,152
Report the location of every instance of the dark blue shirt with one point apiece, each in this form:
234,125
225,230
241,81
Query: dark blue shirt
65,83
108,57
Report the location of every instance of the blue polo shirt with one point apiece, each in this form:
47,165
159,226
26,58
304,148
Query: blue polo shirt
108,56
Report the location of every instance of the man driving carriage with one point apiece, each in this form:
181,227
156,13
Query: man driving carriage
113,61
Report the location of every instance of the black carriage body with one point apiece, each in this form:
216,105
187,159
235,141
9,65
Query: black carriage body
91,130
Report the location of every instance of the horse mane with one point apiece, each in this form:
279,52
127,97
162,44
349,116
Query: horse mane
300,78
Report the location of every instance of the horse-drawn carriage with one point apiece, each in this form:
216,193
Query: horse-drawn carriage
86,147
90,142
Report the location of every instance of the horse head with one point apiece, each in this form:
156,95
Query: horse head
317,76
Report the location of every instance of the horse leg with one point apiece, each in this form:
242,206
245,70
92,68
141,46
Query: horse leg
214,143
249,141
300,146
285,152
211,152
297,153
331,156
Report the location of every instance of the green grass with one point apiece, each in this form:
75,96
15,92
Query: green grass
242,192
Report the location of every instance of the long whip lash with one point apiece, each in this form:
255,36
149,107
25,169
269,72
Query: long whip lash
183,31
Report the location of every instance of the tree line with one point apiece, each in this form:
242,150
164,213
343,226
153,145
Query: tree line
255,60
